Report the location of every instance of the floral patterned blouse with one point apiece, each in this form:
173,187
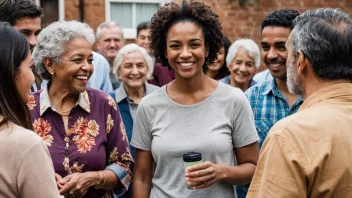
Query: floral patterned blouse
95,140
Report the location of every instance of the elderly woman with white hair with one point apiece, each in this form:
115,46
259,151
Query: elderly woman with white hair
243,60
81,126
133,66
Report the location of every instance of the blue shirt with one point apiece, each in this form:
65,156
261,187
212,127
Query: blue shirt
263,76
269,105
100,79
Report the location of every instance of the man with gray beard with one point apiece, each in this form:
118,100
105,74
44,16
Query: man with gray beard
308,154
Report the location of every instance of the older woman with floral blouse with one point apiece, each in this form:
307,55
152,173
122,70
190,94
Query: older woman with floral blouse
82,127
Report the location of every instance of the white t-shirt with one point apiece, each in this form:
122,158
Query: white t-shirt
213,127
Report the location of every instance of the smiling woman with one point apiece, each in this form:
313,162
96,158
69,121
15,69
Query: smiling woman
193,113
81,126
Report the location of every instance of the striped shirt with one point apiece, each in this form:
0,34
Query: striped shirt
269,105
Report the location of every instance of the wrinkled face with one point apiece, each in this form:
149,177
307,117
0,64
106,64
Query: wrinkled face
142,39
133,70
273,50
110,42
293,82
30,27
25,78
242,68
219,62
185,49
75,66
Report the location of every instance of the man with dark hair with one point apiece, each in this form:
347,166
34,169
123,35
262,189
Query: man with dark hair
24,15
309,153
271,100
142,38
161,75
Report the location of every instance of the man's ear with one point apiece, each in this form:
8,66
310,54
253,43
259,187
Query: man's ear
302,62
49,64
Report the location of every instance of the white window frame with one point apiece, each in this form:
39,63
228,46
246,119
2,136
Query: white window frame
129,33
61,8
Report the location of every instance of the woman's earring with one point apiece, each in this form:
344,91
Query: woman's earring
52,73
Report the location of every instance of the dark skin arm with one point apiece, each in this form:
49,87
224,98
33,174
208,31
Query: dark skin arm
205,174
143,174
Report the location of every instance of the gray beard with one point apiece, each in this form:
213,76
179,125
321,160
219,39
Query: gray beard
294,85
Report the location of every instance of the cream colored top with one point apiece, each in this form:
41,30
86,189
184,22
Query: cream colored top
309,154
26,169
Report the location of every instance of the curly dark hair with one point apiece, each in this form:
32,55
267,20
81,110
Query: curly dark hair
280,18
195,12
223,71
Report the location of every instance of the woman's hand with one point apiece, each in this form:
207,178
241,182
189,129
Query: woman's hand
203,175
58,178
77,184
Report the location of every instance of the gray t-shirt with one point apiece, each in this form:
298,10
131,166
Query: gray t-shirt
213,127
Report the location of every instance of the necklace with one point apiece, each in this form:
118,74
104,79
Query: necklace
63,113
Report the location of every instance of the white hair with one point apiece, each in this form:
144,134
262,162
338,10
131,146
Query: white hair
52,40
107,24
133,48
247,44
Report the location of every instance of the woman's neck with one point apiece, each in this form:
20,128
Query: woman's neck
62,99
211,73
135,93
243,87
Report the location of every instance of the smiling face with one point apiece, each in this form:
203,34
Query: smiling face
133,70
274,52
30,27
110,42
25,78
185,49
242,68
75,66
219,62
142,39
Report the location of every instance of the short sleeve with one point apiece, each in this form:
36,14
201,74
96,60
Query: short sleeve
279,171
141,135
244,131
36,177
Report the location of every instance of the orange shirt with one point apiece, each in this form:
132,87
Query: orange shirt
309,154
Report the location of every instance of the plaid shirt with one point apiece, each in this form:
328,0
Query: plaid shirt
269,106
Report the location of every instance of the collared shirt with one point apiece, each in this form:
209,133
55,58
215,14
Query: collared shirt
100,78
96,138
269,105
309,153
226,80
263,76
121,94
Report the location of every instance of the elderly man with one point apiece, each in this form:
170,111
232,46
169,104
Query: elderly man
309,153
24,16
109,41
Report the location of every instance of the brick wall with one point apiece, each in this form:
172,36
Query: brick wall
237,22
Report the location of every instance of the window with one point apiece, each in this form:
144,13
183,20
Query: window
129,13
53,10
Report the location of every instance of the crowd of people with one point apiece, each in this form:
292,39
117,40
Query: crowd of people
117,122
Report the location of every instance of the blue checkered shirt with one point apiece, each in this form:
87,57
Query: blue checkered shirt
269,106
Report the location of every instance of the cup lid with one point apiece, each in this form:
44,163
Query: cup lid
192,157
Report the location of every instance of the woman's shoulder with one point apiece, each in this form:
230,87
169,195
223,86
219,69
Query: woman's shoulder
21,139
